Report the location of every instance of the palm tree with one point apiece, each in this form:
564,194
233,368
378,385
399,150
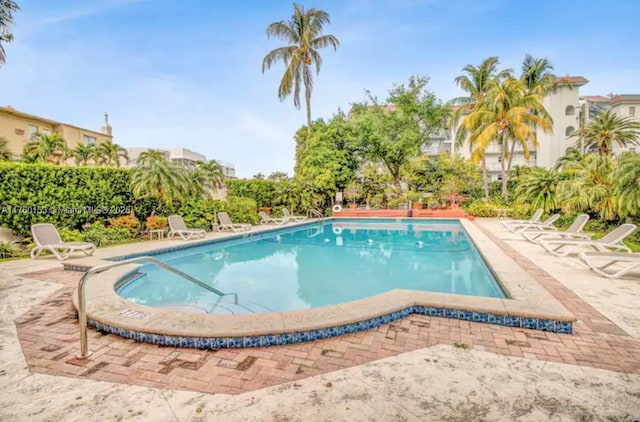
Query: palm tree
5,154
110,153
82,154
7,8
508,112
206,178
155,176
303,34
539,188
476,84
48,148
628,185
591,185
607,129
537,75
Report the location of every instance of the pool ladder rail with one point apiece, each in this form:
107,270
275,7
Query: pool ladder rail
82,303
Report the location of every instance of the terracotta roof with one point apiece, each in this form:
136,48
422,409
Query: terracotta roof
597,98
574,80
625,98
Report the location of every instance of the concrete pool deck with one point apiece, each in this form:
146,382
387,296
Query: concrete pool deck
500,374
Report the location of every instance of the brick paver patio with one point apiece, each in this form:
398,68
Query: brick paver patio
49,337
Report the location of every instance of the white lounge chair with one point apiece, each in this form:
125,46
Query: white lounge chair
534,218
574,231
267,219
226,224
629,261
178,227
290,217
611,242
535,225
46,238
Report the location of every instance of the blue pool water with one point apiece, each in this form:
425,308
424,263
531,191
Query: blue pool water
317,265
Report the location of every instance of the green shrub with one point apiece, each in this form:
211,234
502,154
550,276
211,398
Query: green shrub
70,235
128,222
261,191
520,210
62,195
100,235
9,250
480,208
241,210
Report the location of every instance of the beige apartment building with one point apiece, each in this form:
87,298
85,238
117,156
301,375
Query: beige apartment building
19,127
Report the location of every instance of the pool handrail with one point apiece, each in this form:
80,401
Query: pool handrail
82,305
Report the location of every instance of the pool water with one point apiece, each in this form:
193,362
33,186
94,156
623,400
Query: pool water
317,265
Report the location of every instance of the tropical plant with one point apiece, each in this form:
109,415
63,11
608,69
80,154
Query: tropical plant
539,188
607,129
155,176
475,82
628,184
591,186
258,176
278,176
537,75
303,33
109,153
509,113
5,154
206,178
46,148
7,9
82,154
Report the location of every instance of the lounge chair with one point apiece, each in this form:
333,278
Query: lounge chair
267,219
611,242
574,231
534,218
178,227
46,238
290,217
226,224
535,225
629,261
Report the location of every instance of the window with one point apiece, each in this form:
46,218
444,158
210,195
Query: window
33,129
570,110
45,132
632,112
89,140
569,131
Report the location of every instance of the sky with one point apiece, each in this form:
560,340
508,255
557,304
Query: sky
188,73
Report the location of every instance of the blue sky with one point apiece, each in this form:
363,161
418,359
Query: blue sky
188,73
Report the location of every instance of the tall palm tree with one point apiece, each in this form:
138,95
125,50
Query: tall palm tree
591,185
475,82
110,153
155,176
206,178
5,154
508,113
537,75
628,185
7,8
303,34
83,154
47,148
607,129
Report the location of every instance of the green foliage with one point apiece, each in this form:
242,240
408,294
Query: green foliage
45,148
5,154
157,177
627,186
444,176
539,188
156,222
9,250
241,210
608,129
480,208
70,235
260,190
65,196
100,235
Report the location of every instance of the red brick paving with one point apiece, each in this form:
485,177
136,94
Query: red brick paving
48,333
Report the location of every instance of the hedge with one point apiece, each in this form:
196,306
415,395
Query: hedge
260,190
65,196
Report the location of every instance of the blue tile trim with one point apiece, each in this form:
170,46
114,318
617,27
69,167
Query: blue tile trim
562,327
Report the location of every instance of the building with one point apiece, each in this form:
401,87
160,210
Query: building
565,106
19,127
184,156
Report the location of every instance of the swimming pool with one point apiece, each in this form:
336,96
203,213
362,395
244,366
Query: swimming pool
317,265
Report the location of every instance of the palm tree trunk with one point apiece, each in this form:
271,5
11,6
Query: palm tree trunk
307,98
485,182
505,191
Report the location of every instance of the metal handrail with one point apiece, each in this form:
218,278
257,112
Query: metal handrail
315,213
82,305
